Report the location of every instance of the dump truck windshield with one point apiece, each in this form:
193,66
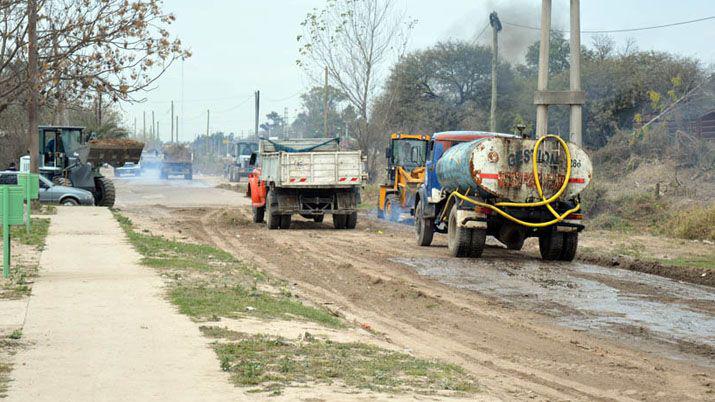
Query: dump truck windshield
410,153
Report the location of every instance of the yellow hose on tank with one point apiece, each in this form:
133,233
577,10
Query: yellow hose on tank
544,201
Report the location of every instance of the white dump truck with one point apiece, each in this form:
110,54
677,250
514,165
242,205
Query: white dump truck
309,177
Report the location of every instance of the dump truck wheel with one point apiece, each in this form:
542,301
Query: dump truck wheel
318,218
479,239
424,227
460,239
258,214
339,221
551,245
568,252
285,221
273,220
106,193
351,220
62,181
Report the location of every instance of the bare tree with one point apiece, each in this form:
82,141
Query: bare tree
355,39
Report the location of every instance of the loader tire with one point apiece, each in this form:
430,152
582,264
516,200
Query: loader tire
285,221
351,220
424,227
551,245
568,252
273,220
339,221
258,214
106,193
460,239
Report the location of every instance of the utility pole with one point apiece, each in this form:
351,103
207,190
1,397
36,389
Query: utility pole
325,105
542,110
158,135
496,27
257,95
576,122
33,137
153,134
99,108
208,118
172,121
136,135
144,125
285,123
177,128
575,97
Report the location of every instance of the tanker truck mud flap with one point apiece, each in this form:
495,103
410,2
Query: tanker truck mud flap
470,219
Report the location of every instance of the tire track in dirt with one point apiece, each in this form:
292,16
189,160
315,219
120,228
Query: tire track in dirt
316,260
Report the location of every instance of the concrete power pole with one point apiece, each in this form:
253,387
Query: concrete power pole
258,107
172,121
33,137
496,27
144,125
208,120
542,109
575,97
153,125
576,122
325,105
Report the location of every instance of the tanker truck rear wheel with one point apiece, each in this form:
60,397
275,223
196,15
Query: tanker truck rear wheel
459,238
551,245
479,239
568,252
106,194
424,227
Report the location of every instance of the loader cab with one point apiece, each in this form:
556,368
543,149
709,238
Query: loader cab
59,147
408,151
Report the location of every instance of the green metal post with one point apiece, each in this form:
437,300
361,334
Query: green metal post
28,199
5,231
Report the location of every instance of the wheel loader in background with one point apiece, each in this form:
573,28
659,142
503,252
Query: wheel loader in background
406,156
69,157
240,157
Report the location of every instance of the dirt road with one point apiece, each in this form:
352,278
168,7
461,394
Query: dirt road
525,328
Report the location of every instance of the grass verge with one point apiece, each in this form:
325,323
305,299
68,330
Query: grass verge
21,274
208,283
274,363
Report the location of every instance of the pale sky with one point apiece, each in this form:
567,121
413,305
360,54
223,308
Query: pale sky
240,46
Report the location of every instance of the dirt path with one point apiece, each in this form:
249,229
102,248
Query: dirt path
99,328
519,345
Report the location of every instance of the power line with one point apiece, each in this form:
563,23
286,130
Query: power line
476,38
617,30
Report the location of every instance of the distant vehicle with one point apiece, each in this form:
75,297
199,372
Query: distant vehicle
309,177
241,156
178,161
129,169
51,193
150,160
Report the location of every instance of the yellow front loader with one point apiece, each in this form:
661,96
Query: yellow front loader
406,157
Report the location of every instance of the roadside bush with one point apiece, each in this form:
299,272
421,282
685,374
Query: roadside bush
694,224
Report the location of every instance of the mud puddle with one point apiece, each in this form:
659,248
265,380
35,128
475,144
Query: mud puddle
655,314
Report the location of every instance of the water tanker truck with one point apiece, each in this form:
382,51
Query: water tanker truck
483,184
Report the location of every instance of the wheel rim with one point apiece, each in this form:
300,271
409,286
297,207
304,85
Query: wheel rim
452,229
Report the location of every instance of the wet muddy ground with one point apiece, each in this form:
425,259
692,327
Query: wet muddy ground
659,314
